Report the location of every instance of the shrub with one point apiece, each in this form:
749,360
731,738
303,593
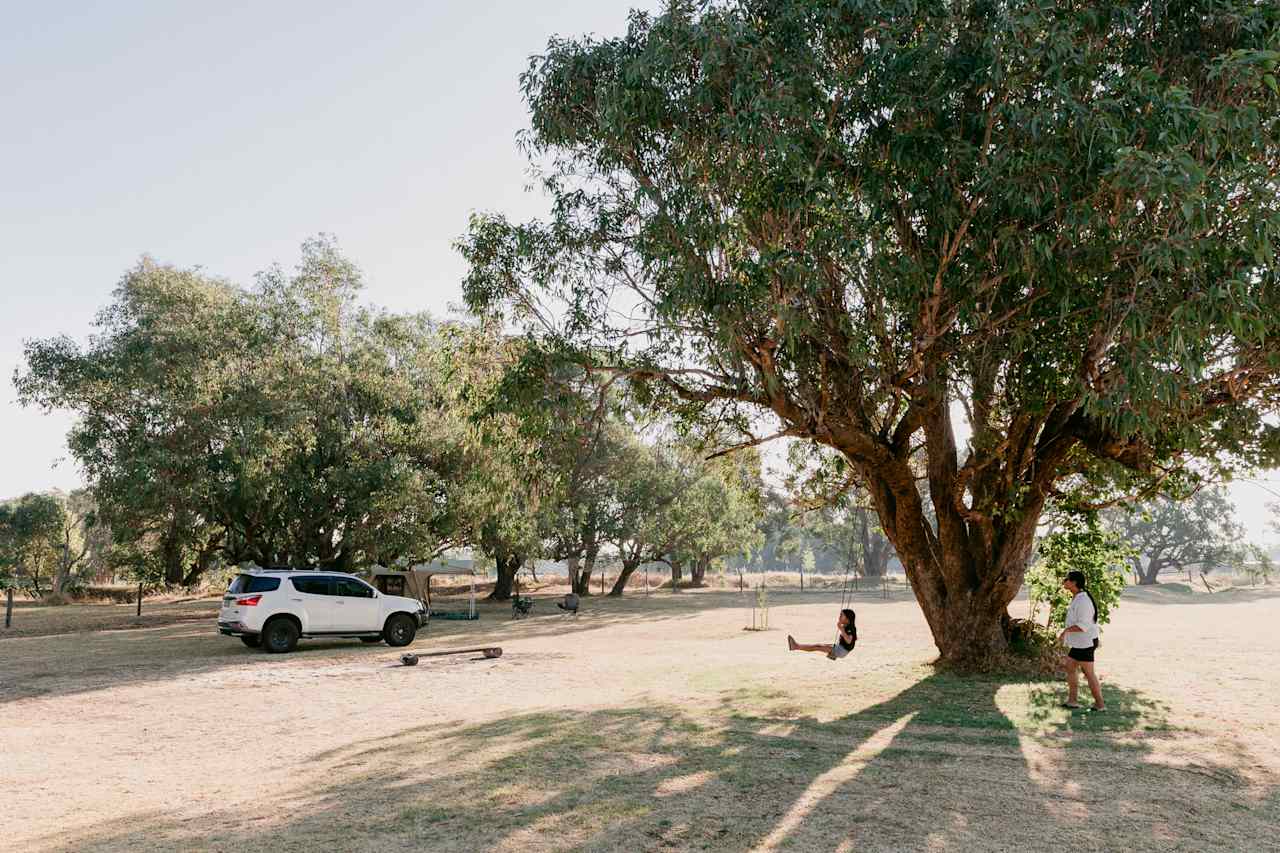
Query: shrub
1085,547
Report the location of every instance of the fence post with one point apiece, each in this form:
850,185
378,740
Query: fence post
139,598
8,607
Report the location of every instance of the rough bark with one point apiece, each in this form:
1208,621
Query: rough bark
629,567
677,574
966,569
967,557
507,567
583,585
876,550
573,561
1150,574
698,572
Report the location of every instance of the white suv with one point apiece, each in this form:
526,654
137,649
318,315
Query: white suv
273,608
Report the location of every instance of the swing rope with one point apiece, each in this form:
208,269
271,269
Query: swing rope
846,595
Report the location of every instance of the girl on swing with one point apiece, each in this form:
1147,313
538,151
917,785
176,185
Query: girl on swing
846,638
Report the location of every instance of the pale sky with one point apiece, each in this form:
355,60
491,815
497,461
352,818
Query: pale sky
222,135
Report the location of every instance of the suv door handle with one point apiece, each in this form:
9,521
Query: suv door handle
339,601
295,599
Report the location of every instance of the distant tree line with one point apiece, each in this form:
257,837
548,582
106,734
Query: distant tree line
285,424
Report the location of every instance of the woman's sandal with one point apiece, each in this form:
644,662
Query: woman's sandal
1069,706
791,643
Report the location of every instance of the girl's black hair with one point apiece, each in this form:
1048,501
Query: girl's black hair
1078,579
852,628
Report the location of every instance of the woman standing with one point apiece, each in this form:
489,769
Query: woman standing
1081,639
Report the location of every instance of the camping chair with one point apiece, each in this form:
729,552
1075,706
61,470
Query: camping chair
520,606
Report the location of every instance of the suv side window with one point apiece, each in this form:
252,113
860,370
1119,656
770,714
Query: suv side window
352,588
252,583
313,586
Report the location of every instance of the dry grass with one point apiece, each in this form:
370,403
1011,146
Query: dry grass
40,618
646,724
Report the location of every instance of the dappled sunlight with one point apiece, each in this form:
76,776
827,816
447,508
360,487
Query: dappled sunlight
682,784
1047,768
827,783
682,734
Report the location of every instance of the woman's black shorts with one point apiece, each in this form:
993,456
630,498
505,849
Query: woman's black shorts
1082,655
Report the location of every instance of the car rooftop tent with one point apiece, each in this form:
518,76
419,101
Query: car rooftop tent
416,582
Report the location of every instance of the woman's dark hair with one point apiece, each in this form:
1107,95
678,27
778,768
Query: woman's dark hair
853,628
1078,579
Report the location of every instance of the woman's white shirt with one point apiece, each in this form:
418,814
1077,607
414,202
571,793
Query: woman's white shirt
1080,613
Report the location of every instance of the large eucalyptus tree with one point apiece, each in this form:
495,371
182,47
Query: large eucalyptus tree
865,217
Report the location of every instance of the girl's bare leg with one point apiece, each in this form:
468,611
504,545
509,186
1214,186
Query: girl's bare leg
825,648
1072,680
1094,686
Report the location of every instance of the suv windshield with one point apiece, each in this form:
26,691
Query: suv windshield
252,583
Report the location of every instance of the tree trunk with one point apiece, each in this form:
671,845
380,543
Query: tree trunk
698,572
965,570
61,574
628,568
677,573
572,561
583,586
507,566
876,551
864,541
1149,575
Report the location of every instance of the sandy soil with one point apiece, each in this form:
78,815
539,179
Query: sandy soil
645,723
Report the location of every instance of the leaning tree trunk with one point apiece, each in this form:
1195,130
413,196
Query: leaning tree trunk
628,568
583,585
507,566
1151,574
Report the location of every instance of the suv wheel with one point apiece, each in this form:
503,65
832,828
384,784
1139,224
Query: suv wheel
251,640
400,630
280,635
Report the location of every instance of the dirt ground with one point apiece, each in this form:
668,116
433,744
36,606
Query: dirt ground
35,619
645,723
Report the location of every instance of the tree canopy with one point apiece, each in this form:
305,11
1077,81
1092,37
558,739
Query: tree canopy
856,217
1165,533
283,425
30,532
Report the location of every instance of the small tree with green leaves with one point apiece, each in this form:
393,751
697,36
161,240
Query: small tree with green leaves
29,536
1082,546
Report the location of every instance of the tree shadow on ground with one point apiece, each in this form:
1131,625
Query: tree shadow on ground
67,664
948,763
